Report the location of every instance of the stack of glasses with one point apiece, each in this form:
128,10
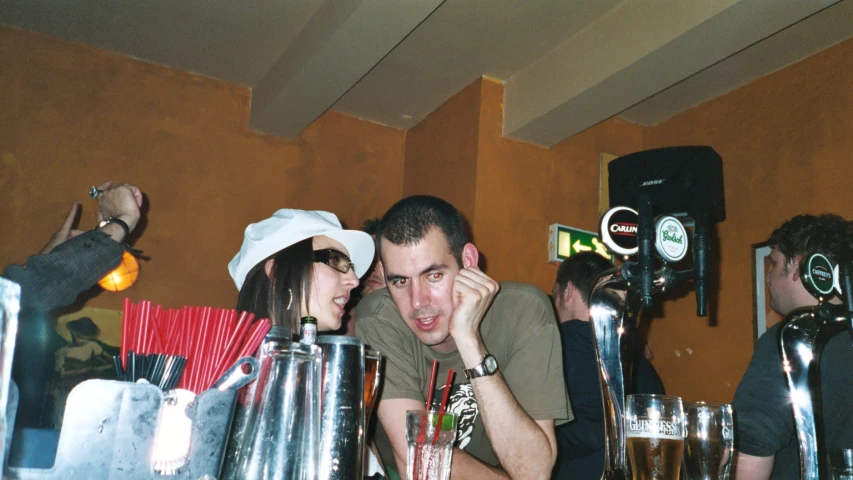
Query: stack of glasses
663,437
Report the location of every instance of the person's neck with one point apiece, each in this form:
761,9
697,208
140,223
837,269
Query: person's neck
581,314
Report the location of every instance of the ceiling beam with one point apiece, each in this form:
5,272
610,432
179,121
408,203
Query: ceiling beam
338,46
635,51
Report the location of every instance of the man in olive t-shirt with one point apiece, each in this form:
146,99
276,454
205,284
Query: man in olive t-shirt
504,347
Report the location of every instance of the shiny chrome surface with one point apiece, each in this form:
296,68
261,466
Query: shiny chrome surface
277,334
342,418
803,336
10,306
613,311
280,432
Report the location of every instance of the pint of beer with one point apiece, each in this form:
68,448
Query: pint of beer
654,428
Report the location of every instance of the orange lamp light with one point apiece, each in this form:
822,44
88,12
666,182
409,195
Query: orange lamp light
124,276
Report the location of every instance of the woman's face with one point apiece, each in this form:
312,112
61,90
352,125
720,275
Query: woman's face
330,288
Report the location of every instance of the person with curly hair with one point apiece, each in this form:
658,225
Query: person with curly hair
765,434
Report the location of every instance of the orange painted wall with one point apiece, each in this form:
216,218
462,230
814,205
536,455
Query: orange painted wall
510,191
441,152
786,142
72,116
523,188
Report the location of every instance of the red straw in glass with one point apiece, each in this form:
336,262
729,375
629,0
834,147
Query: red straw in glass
422,431
441,410
431,384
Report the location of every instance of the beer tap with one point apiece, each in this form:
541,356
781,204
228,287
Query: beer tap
802,338
615,303
683,182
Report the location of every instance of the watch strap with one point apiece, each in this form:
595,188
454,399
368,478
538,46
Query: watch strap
480,370
121,223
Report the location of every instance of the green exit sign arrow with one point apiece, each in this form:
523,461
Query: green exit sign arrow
564,241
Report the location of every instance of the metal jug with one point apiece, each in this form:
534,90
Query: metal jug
346,404
277,431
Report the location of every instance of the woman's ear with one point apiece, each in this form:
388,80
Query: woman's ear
268,266
470,256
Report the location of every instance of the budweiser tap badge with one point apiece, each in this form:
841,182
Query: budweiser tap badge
670,238
619,230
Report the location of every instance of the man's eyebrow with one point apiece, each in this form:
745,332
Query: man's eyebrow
390,277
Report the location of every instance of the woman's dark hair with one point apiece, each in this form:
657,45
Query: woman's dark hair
269,297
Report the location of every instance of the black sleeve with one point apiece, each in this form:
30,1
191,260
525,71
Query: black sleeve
646,378
585,434
56,279
764,421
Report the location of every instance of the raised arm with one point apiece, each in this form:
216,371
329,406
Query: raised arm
525,448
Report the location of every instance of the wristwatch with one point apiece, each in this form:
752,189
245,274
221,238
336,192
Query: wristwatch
489,366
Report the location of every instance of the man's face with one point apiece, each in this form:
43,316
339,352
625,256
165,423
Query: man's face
420,280
375,280
786,292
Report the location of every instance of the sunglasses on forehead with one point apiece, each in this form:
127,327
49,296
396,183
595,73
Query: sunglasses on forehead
335,259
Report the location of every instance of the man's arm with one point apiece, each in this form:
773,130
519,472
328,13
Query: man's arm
524,447
73,261
392,415
748,467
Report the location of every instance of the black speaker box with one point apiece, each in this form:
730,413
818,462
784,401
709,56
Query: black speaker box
677,179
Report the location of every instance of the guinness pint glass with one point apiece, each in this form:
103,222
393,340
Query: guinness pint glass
654,428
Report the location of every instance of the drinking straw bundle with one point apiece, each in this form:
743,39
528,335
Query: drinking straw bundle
188,348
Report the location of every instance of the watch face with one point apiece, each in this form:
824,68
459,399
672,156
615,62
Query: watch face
491,364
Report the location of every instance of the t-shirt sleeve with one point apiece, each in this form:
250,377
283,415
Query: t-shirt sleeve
379,325
764,420
534,371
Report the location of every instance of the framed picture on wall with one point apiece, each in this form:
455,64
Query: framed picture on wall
764,316
81,348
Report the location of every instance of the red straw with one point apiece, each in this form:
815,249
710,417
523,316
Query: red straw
441,410
431,384
422,430
125,337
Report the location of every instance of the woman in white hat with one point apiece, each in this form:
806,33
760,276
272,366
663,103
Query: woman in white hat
299,263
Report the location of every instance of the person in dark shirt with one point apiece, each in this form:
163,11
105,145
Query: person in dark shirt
580,443
765,433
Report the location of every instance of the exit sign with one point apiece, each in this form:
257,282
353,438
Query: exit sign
564,242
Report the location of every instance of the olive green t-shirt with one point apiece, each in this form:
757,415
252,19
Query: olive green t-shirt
519,329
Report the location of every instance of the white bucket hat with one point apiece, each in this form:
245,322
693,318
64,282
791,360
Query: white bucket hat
287,227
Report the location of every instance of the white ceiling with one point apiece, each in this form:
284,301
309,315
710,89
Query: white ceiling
566,64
